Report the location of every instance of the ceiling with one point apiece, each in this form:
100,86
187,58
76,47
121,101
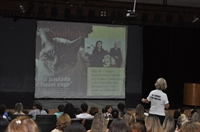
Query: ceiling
186,3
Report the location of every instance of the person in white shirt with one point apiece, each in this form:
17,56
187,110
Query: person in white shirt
159,100
84,114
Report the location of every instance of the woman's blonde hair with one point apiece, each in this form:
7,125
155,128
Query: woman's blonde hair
161,84
63,121
169,124
19,107
152,124
181,120
99,123
129,118
190,127
22,124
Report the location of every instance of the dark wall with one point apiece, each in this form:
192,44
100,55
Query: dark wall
172,53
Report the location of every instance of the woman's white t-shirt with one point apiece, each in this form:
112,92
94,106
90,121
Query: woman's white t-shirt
158,100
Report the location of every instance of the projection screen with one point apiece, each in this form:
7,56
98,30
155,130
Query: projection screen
80,60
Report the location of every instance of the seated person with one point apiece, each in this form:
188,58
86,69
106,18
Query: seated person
37,110
84,114
60,110
3,121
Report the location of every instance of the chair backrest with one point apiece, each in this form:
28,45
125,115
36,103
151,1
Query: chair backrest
88,123
109,122
46,123
79,120
15,116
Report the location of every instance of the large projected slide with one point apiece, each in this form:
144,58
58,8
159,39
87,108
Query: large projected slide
79,60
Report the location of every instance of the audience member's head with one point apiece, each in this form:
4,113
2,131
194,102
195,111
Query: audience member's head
177,114
69,109
108,108
99,123
152,124
181,120
46,110
22,124
129,118
118,125
190,127
61,108
36,105
192,112
137,127
121,106
77,110
182,110
93,110
19,108
161,84
2,109
115,113
168,124
75,127
196,117
63,121
84,107
139,111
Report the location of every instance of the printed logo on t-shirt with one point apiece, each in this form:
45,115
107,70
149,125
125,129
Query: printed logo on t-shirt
156,97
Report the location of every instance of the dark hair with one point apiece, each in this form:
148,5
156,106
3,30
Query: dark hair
182,110
69,109
193,111
61,107
84,107
75,127
94,110
46,110
107,107
176,114
2,109
115,113
103,110
121,106
118,125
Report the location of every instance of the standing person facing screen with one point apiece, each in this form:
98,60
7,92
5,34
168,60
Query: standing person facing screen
159,100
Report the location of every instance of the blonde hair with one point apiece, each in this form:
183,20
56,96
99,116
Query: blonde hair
181,120
63,121
190,127
169,124
99,123
129,118
161,84
22,124
152,124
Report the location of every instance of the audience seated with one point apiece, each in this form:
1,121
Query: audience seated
5,115
99,123
75,127
69,109
192,112
121,107
22,124
182,111
3,121
115,113
139,113
196,117
168,124
77,110
180,121
62,122
129,118
137,127
93,110
119,125
19,109
177,113
108,110
153,124
37,110
190,127
84,114
60,110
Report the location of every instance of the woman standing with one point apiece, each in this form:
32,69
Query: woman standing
159,100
